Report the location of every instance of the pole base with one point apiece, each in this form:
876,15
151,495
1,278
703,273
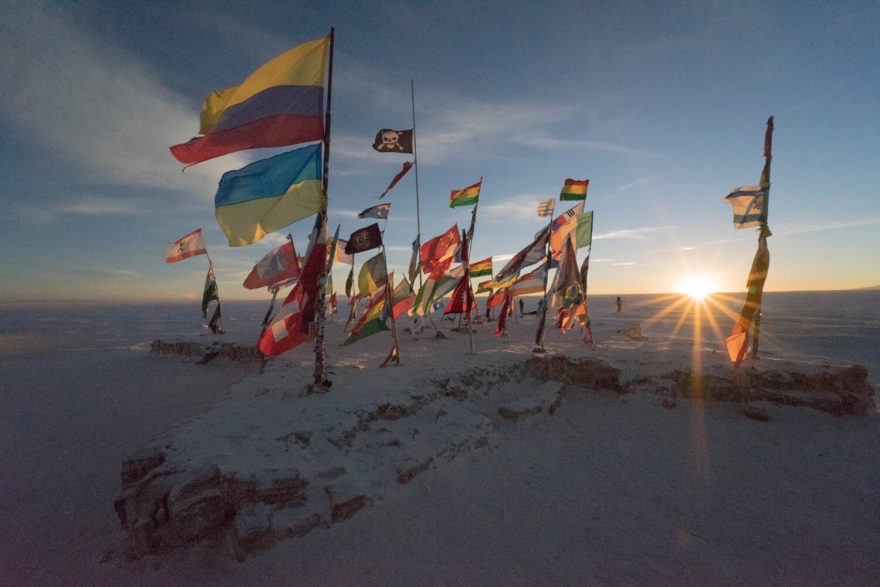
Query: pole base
539,350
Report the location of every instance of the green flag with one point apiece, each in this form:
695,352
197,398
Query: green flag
584,230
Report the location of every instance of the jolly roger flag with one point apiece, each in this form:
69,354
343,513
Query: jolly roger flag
364,239
394,141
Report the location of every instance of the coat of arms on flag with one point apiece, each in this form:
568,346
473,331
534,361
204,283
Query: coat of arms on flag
364,239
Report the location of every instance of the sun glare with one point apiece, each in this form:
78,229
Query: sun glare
697,286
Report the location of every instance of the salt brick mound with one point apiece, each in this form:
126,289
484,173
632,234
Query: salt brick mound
265,465
207,353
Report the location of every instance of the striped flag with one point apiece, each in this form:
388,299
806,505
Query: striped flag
481,268
749,208
574,189
546,208
466,196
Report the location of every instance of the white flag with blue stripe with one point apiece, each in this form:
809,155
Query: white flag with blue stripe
749,205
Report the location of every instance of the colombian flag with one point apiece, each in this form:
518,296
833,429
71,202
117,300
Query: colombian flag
281,103
574,189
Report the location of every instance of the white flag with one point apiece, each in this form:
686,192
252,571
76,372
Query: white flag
187,246
546,207
749,205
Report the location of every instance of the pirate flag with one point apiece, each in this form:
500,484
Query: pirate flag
394,141
364,239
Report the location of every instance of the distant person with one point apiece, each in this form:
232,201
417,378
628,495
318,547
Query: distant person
522,307
619,303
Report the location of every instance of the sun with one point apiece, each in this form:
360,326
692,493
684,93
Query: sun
697,286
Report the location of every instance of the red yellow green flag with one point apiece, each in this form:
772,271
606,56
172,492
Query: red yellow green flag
574,189
466,196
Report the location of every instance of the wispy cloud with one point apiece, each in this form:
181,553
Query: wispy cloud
98,112
100,206
632,184
513,208
631,233
785,229
624,264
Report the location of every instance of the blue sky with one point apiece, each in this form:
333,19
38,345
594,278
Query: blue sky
660,104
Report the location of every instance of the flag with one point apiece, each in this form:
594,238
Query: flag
186,247
277,265
292,325
364,239
394,141
414,261
485,286
214,322
738,341
269,194
462,300
281,103
372,276
381,211
546,208
534,252
402,298
440,248
341,256
438,284
562,227
583,232
210,294
407,165
466,196
349,282
749,205
566,284
480,268
502,317
533,282
372,321
574,189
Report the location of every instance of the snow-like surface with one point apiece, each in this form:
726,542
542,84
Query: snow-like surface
611,489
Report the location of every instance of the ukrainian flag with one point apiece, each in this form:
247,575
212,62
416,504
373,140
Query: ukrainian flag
269,194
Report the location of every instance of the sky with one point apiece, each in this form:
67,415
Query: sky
662,105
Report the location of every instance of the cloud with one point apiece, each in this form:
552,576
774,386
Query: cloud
624,264
633,184
100,206
631,233
513,208
97,111
785,229
398,249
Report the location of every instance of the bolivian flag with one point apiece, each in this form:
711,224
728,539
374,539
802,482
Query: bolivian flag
269,194
373,320
574,189
480,268
466,196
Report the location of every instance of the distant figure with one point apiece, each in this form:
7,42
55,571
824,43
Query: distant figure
619,303
522,307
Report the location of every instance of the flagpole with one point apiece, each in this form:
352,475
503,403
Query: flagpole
412,94
764,230
543,318
389,299
321,219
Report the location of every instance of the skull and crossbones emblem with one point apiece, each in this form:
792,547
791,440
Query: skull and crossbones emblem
390,141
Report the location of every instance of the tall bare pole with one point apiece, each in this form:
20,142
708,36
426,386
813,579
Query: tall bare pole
412,93
319,380
765,230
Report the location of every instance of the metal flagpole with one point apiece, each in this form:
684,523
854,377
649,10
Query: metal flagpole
319,381
412,93
539,337
764,230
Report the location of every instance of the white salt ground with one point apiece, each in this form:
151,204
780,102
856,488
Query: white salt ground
610,490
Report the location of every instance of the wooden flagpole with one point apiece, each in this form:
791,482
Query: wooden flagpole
543,318
319,380
389,301
412,94
764,230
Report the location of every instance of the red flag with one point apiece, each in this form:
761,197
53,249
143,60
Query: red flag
440,249
407,165
279,264
502,319
462,300
291,327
